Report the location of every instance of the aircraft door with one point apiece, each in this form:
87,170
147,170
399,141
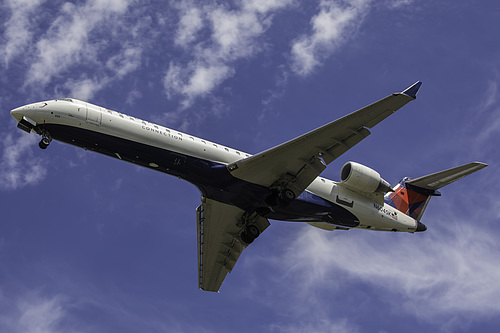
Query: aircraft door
94,115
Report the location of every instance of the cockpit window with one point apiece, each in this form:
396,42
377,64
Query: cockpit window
65,99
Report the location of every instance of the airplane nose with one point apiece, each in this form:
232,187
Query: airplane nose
25,117
28,110
17,113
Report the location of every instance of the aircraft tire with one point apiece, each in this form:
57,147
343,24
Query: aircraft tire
44,143
250,233
253,231
287,195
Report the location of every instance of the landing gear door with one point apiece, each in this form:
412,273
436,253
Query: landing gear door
94,115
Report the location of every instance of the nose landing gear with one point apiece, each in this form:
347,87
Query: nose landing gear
46,139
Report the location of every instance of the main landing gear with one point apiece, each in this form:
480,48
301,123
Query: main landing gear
250,233
280,198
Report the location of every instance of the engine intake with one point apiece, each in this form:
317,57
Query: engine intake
362,178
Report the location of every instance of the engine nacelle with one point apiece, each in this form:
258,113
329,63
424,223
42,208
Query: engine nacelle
362,178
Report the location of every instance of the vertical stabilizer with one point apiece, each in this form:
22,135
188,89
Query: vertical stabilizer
409,199
411,196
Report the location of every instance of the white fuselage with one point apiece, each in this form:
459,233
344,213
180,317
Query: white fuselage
76,117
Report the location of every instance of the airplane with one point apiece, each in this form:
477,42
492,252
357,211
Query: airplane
240,192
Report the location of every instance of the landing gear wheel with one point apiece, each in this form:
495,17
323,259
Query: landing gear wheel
253,231
285,197
287,194
46,139
250,233
44,143
272,199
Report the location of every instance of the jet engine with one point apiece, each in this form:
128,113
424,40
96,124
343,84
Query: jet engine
362,178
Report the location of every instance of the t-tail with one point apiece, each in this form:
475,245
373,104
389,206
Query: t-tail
411,196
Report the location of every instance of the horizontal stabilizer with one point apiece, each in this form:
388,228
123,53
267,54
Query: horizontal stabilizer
437,180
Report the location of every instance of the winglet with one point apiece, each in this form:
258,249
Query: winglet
412,91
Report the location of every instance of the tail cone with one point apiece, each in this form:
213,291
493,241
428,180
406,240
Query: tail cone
420,227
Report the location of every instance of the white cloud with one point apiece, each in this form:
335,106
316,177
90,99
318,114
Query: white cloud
330,28
204,79
18,165
33,313
491,95
83,88
67,40
119,65
232,35
446,274
398,3
320,325
18,32
190,23
125,62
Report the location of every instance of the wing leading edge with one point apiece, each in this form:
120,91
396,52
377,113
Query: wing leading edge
296,163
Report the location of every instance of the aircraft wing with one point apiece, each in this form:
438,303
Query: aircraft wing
296,163
219,243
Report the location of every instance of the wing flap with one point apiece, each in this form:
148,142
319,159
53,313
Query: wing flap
219,243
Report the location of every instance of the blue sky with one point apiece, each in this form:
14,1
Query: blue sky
90,244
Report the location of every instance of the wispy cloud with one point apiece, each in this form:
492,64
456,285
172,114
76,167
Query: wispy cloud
331,27
18,28
18,165
214,37
210,39
488,111
95,34
120,65
320,325
449,274
67,40
33,312
398,3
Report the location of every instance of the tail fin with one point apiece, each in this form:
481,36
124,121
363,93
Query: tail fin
412,196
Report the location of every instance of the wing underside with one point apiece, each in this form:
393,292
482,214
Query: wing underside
219,240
